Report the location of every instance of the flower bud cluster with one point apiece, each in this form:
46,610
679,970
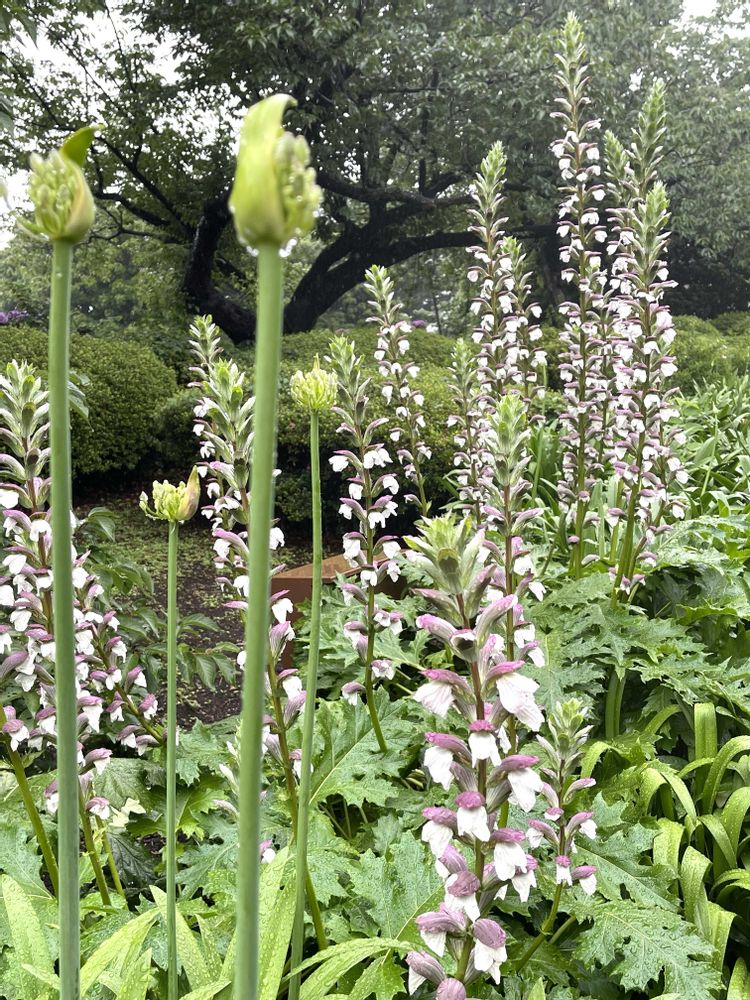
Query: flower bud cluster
508,327
61,198
223,424
112,693
399,372
274,197
316,390
480,855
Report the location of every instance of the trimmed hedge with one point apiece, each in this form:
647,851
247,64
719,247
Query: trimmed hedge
125,386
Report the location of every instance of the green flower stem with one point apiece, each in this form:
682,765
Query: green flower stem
111,863
545,930
613,704
369,685
92,851
62,603
16,762
311,687
268,354
171,847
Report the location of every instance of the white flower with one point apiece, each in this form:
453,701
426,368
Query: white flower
525,784
523,883
509,858
438,762
338,462
7,596
516,694
483,746
435,697
473,821
281,609
437,836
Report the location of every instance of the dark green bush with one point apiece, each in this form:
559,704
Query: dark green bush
127,386
733,324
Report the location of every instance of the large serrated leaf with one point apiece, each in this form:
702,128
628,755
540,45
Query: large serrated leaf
336,961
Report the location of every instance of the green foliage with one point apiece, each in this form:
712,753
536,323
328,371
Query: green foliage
124,385
707,354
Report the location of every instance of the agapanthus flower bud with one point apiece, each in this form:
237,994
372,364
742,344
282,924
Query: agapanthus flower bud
315,390
173,503
274,196
62,200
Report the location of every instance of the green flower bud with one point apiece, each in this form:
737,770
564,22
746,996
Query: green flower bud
316,390
173,503
62,200
274,195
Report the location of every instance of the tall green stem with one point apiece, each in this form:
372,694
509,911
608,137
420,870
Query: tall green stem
268,352
62,604
171,886
303,821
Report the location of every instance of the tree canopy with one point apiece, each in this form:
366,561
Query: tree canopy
399,102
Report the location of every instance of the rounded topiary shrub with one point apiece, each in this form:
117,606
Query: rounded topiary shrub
125,386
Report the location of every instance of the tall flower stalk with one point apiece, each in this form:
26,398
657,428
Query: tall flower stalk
470,463
316,392
585,370
372,488
273,200
175,505
647,469
63,214
398,372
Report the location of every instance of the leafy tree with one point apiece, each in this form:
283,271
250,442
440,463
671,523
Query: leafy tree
398,102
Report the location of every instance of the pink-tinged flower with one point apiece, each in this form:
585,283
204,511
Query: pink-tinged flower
516,694
471,817
438,762
525,783
450,862
438,695
434,927
98,807
439,829
16,731
584,822
489,947
450,989
461,893
438,627
352,691
585,876
525,880
423,968
483,742
563,874
508,854
539,831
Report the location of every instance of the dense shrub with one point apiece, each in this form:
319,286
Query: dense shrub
733,324
125,386
704,354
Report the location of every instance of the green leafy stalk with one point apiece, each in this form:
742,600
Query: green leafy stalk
270,289
303,821
171,886
62,603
